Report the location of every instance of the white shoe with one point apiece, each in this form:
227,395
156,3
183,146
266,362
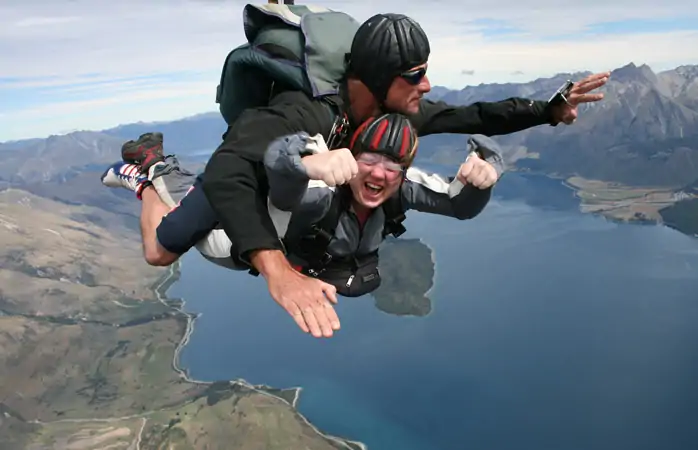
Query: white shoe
125,175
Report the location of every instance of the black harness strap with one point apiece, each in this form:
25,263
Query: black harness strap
394,216
313,246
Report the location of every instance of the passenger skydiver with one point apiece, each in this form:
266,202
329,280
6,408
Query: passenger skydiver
326,204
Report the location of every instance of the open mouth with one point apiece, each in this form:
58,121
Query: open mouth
373,188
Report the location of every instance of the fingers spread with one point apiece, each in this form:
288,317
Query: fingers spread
324,316
586,98
332,316
311,320
330,292
322,310
584,88
297,315
307,300
598,76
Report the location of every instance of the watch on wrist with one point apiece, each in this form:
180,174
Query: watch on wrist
561,94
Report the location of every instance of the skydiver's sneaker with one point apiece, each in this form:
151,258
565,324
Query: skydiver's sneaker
146,151
127,176
170,180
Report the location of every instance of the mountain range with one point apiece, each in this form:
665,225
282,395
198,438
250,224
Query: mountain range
88,337
644,133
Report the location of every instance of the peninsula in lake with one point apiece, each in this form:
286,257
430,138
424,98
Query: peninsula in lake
89,343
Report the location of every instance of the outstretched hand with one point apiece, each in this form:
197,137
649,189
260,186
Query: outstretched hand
308,300
566,111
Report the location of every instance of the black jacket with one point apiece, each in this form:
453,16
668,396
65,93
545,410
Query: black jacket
235,183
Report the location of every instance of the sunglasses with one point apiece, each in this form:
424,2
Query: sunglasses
414,76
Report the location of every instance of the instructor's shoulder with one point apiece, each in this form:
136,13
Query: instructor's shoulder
292,106
291,98
313,115
286,113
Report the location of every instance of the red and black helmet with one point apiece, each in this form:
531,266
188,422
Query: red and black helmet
391,135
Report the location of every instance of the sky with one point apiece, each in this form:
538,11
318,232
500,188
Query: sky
95,64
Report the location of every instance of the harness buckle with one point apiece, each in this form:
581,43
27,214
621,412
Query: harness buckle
325,259
395,226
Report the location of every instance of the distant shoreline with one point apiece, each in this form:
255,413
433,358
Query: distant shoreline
160,288
432,254
618,202
624,204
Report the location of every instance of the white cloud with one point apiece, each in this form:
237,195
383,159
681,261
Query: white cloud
157,104
53,49
44,21
495,62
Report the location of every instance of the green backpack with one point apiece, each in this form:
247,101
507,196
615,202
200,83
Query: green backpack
289,47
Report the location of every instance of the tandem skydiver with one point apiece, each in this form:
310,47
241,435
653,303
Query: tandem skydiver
385,72
333,208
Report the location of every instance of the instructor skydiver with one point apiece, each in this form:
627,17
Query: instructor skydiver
386,71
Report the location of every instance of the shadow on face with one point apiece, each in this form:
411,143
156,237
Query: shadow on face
407,90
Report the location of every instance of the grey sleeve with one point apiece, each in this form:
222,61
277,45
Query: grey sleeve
290,188
435,194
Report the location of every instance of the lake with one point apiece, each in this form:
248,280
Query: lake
550,329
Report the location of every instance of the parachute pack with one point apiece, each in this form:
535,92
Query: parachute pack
289,47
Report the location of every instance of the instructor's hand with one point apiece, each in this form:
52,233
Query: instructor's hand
307,300
334,167
581,92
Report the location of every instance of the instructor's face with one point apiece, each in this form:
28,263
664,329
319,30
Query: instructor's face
407,90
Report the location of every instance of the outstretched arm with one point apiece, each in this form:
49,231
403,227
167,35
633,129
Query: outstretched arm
456,197
506,116
488,118
235,184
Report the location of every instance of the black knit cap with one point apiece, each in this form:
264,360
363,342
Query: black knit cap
385,46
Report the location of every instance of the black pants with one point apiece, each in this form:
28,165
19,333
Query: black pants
189,222
193,219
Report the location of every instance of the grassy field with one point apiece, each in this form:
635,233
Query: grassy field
621,202
87,347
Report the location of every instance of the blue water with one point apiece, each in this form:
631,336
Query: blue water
550,329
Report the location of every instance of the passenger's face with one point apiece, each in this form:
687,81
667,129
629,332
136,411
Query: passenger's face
407,90
379,177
